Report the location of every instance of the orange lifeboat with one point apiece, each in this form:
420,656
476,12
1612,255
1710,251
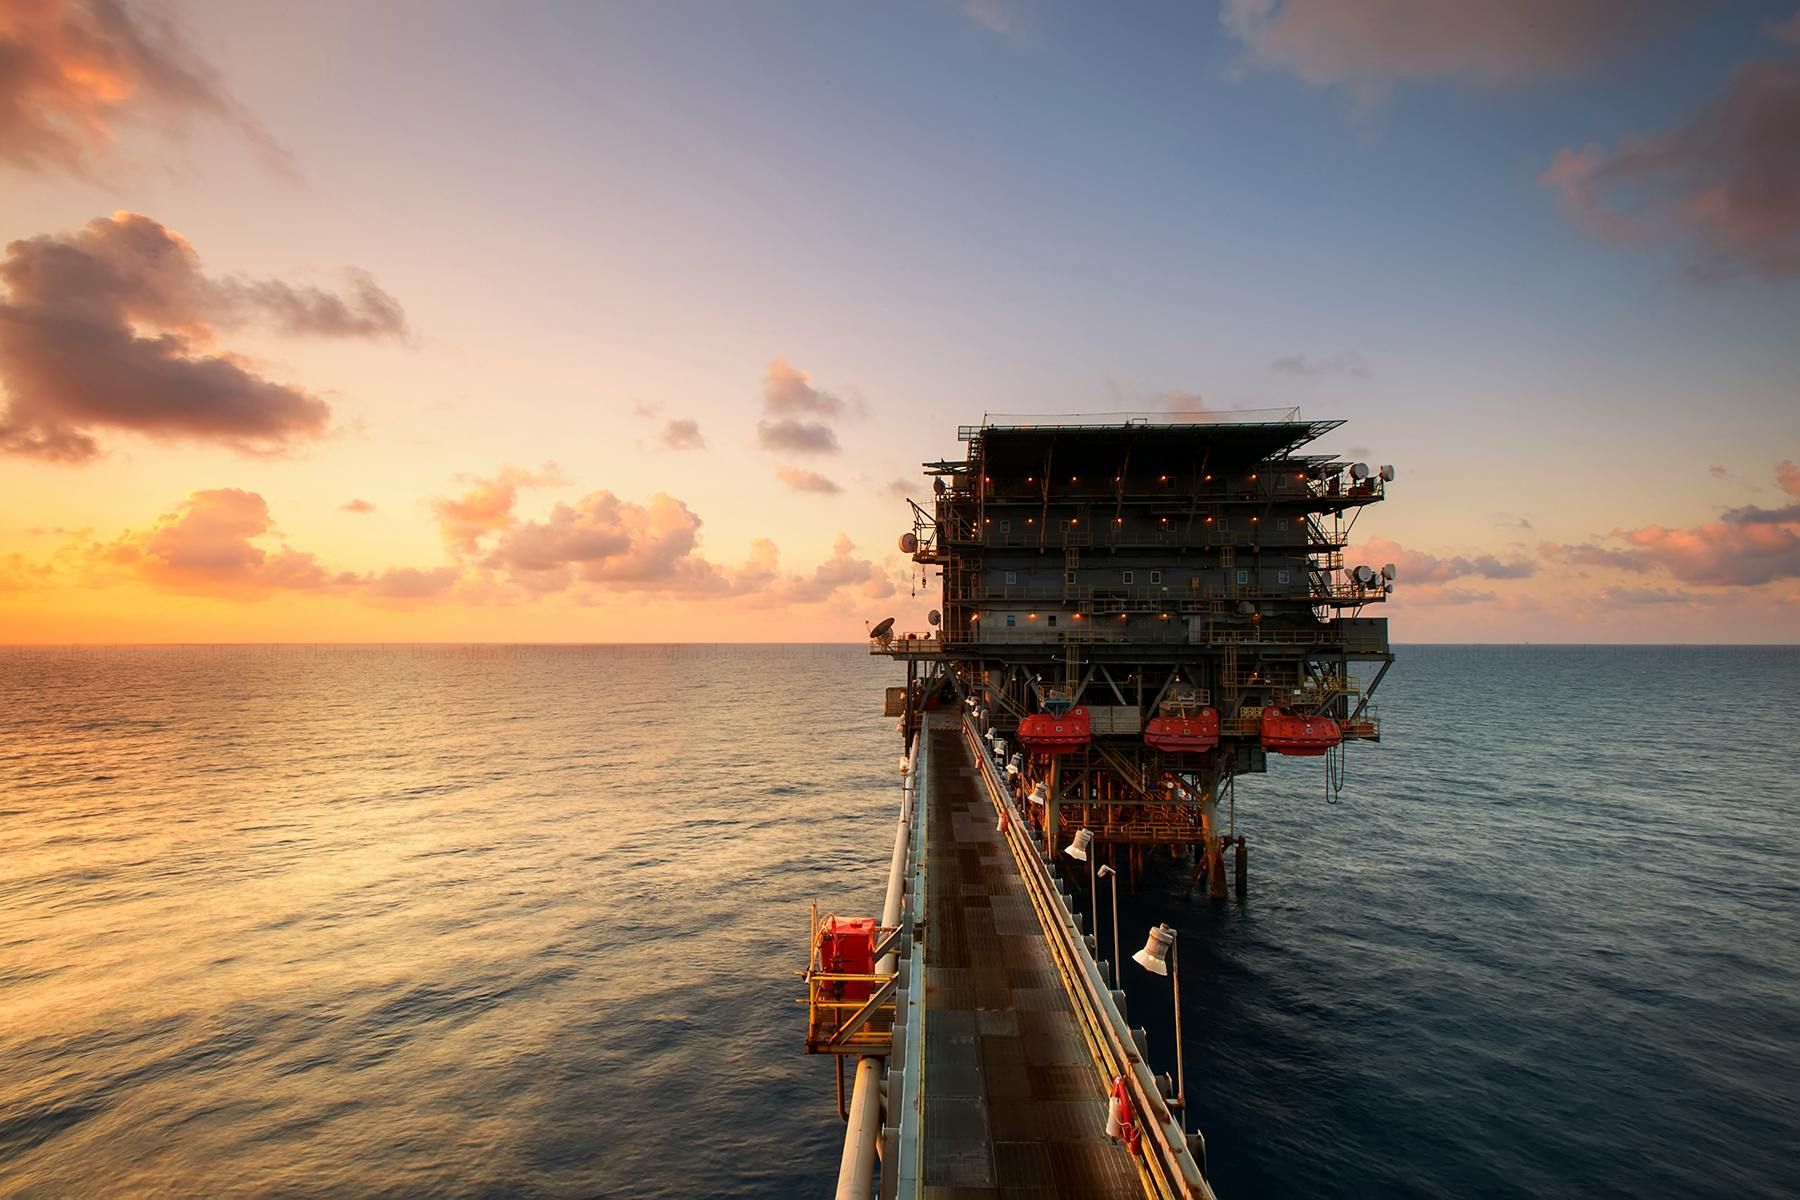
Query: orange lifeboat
1287,732
1057,733
1190,733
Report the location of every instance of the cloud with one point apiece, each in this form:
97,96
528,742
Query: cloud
900,489
1717,471
842,570
1418,567
807,481
788,391
1727,182
1183,402
800,437
208,545
603,539
682,433
1787,31
1746,547
413,583
487,507
114,328
1332,364
1636,596
1369,45
72,75
1788,476
356,506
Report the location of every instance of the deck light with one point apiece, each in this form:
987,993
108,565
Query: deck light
1031,616
1074,520
1154,957
1162,479
1074,479
1080,844
1159,958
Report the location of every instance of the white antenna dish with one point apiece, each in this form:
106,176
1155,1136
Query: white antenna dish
1365,575
909,543
1359,471
934,617
1387,572
1387,473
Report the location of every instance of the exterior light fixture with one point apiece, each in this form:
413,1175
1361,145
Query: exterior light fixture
1031,616
1080,844
1159,958
1154,957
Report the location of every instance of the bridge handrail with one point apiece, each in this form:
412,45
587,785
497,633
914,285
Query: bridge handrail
1167,1166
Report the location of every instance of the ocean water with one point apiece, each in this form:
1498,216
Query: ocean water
475,921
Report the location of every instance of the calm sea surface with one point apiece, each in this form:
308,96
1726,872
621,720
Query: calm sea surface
476,921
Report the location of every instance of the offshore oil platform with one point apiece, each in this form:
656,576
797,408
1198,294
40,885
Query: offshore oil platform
1136,610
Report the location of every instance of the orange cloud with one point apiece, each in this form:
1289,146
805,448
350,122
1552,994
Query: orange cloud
74,73
1416,566
801,480
208,546
1728,181
111,328
1788,476
1746,547
787,390
488,506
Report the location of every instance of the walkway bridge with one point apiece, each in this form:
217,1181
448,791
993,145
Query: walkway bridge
1003,1035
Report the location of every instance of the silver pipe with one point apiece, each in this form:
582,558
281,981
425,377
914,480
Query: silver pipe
856,1169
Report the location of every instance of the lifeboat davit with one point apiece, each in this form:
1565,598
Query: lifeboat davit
1057,733
1287,732
1190,733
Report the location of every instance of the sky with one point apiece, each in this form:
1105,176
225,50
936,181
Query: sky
632,322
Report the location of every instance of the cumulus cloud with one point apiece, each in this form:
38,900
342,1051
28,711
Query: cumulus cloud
603,539
1329,364
1727,182
1787,31
789,391
1368,45
801,480
1416,566
682,433
1788,476
208,545
900,489
789,398
842,570
800,437
487,506
1746,547
114,327
356,506
73,74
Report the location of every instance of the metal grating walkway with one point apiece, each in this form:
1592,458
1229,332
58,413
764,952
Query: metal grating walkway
1013,1105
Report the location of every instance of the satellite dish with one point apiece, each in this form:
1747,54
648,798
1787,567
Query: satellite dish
1365,575
1387,473
937,485
1359,471
909,543
883,630
1387,572
934,617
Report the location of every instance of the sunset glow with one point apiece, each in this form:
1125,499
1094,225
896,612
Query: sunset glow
633,324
